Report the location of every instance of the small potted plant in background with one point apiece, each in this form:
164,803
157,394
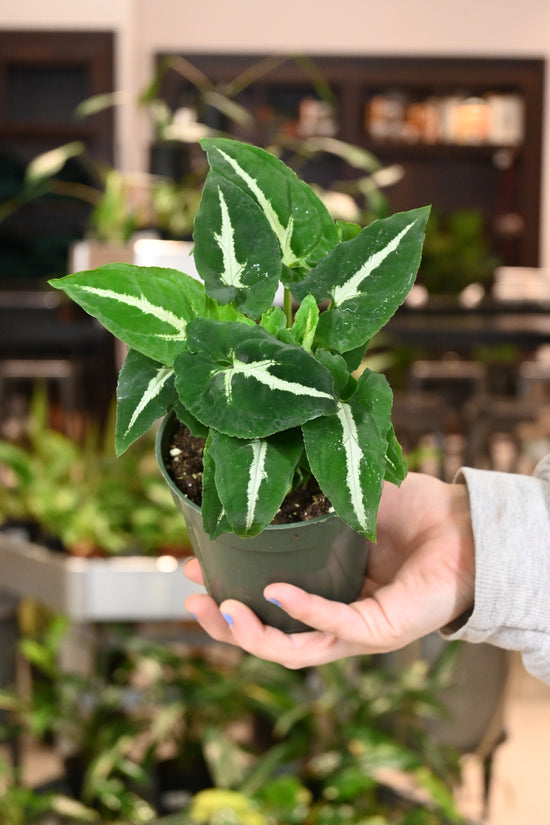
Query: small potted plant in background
273,393
80,499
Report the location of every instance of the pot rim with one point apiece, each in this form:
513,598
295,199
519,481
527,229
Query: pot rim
159,444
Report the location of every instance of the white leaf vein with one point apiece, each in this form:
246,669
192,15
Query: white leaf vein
283,233
354,456
141,303
352,287
256,476
152,391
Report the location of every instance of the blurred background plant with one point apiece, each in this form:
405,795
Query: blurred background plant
166,199
156,725
456,253
20,805
81,498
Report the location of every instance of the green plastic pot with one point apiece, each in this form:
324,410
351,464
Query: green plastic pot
323,555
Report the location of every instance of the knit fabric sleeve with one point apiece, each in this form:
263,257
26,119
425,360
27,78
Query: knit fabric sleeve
511,524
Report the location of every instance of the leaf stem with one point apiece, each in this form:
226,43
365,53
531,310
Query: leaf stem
287,307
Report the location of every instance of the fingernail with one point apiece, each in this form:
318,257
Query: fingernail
228,618
276,602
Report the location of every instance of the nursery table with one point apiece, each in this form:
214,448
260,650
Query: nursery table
122,588
92,593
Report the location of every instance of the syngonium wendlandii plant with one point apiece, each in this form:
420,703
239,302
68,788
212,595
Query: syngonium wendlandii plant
272,391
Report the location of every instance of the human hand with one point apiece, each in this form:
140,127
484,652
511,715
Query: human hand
420,577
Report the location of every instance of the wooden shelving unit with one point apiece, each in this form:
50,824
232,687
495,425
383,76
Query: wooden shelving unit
126,588
502,180
44,75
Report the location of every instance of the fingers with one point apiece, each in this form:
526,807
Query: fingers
205,610
293,650
339,630
374,624
234,623
192,570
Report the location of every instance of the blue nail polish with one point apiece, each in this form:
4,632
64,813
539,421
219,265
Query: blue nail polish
228,618
276,602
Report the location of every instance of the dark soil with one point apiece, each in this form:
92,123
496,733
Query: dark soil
184,463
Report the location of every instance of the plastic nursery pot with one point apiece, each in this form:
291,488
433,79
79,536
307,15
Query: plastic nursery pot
323,555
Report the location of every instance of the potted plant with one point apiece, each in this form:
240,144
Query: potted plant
80,499
273,393
85,533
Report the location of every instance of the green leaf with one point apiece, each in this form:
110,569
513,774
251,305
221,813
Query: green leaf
348,460
246,383
48,164
274,320
146,307
145,392
72,809
98,103
439,792
396,464
224,757
235,252
303,225
354,357
193,424
366,279
253,477
338,367
214,518
347,230
18,460
305,323
226,312
348,784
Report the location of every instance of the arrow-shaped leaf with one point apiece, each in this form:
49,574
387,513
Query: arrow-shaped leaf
245,382
366,279
235,251
302,224
348,460
145,392
253,477
214,518
146,307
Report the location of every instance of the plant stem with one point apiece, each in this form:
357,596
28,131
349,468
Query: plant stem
287,307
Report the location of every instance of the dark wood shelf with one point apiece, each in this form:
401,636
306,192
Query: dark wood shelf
438,150
65,131
448,175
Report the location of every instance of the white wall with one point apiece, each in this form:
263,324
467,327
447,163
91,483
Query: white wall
434,26
518,28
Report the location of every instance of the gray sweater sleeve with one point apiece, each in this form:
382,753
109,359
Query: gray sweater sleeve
511,523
